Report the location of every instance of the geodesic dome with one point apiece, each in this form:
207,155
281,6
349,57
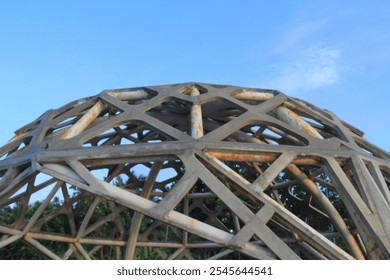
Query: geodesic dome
194,171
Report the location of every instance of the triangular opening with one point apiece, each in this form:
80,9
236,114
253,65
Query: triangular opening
127,134
43,186
15,147
96,112
176,113
65,123
243,171
67,117
102,223
250,171
306,122
318,119
19,196
326,131
266,134
204,205
27,198
219,112
255,240
231,222
371,149
81,202
151,179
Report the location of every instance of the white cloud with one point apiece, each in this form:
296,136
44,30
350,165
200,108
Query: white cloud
309,69
297,34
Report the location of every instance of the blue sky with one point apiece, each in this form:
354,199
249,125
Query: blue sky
334,54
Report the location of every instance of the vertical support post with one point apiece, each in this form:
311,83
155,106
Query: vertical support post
196,116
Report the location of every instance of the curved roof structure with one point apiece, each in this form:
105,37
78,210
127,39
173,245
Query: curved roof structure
194,171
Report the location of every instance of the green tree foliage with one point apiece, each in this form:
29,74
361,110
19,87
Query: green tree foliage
292,198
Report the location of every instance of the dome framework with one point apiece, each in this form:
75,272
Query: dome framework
195,171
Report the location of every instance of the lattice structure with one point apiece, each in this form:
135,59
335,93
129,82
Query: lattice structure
195,171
